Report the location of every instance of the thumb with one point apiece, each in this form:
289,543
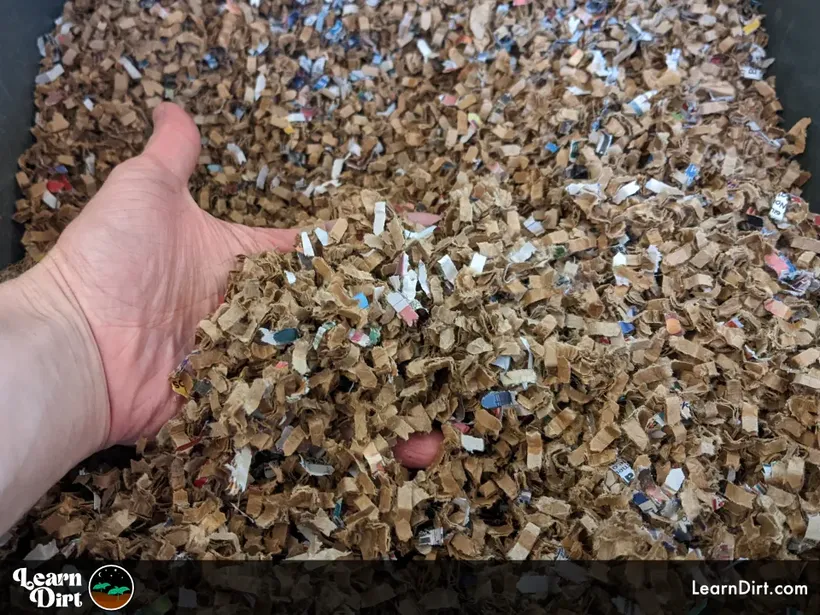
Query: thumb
175,143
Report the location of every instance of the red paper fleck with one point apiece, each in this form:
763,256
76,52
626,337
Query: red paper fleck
190,444
59,185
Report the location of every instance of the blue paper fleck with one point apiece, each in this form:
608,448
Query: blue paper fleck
334,35
692,172
496,399
293,17
363,302
211,61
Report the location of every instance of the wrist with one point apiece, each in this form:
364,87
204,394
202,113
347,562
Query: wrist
55,410
59,343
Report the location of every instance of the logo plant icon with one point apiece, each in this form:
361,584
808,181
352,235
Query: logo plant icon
111,587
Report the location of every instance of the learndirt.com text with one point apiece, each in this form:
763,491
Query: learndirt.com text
749,588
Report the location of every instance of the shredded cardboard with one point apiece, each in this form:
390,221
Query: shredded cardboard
605,330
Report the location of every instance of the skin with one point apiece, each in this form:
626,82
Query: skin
90,334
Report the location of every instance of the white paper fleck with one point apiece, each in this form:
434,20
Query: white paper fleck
471,444
813,528
658,187
624,470
431,538
751,72
518,377
402,307
674,480
380,217
655,257
261,82
626,191
237,153
280,443
464,506
598,66
619,260
579,188
43,552
448,268
240,469
262,177
777,212
642,104
409,282
50,75
90,164
526,345
322,188
425,50
338,167
673,59
522,254
477,263
322,235
418,235
307,247
316,469
290,277
50,200
423,279
636,33
534,226
130,68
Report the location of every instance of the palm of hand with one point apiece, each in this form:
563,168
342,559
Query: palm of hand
145,264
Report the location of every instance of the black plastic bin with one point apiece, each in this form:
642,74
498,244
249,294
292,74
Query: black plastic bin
792,27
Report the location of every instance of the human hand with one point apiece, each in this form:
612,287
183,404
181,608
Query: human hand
145,264
91,333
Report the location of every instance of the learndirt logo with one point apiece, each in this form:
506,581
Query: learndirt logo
51,589
111,587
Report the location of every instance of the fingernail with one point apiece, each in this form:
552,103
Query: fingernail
159,113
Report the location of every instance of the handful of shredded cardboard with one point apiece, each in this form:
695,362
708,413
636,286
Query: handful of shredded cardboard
611,326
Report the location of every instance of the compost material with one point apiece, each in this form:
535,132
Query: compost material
609,318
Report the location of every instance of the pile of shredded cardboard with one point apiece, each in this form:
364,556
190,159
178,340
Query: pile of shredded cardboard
612,323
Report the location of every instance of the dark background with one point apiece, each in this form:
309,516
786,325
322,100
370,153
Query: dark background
792,26
20,26
437,587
